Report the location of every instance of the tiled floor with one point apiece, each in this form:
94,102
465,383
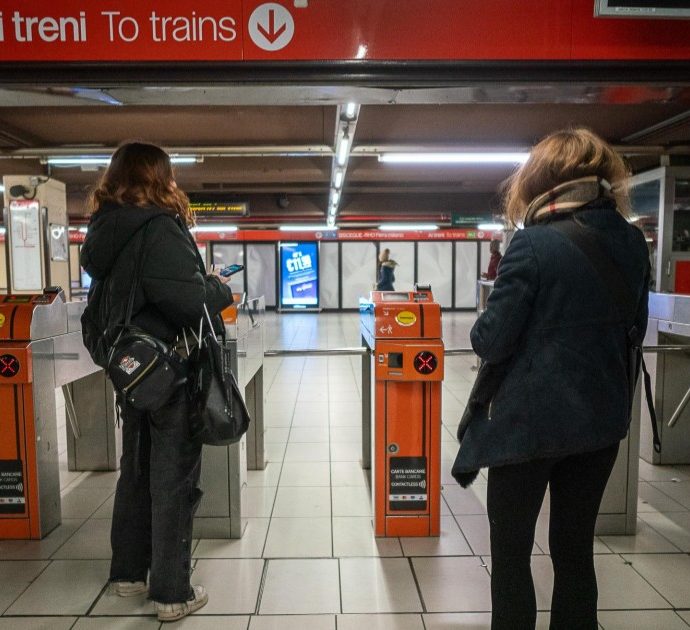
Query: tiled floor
308,559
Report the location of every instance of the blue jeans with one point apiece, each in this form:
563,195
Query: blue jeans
155,501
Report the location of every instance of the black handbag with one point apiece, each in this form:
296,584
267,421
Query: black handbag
218,414
144,370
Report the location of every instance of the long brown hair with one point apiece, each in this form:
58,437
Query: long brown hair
140,174
560,157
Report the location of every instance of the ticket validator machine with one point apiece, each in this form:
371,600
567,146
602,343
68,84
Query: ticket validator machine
41,349
403,331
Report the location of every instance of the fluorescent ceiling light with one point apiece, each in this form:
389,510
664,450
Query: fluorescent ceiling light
183,159
2,188
338,180
104,160
350,110
335,197
214,228
454,158
408,227
304,228
491,227
343,149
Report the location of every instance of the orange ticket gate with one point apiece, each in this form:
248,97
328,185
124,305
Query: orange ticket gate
403,331
40,349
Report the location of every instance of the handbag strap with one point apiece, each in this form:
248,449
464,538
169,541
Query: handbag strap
621,295
137,276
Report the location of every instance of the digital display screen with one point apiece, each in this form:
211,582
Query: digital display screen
642,8
395,297
18,299
299,275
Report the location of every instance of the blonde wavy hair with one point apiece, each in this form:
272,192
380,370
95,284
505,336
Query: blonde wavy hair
140,174
560,157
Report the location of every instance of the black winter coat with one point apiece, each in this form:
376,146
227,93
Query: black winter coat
174,286
553,325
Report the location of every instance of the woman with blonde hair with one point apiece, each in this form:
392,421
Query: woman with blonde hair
139,210
560,339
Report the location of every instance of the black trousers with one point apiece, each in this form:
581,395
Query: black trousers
515,496
155,501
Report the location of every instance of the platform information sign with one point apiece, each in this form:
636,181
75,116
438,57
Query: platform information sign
299,275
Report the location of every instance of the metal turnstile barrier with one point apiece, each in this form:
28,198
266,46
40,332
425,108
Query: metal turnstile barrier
669,325
618,513
221,513
41,349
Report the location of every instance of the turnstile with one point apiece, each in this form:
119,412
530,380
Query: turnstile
224,468
669,324
403,330
41,349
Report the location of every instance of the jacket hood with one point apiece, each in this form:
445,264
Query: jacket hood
110,229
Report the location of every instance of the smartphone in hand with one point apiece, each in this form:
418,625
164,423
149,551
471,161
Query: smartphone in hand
230,270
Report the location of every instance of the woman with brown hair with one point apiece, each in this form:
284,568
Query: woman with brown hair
554,330
137,207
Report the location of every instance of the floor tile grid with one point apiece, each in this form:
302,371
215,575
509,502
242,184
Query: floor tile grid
651,556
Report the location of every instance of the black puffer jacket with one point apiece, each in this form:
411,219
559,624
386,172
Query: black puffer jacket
174,286
552,324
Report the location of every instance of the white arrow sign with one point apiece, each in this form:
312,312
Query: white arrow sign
271,26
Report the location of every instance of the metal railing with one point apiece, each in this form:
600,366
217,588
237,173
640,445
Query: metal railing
449,352
363,351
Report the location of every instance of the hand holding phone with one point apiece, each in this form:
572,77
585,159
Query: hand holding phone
230,270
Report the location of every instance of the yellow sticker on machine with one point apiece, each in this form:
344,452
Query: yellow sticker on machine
2,320
406,318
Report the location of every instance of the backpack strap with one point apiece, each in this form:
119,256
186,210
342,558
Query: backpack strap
137,276
623,300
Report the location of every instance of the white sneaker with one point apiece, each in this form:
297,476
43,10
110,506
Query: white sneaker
129,589
173,612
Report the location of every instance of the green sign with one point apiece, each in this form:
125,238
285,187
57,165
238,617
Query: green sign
466,220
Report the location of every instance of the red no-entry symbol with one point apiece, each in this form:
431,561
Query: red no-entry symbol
425,362
9,365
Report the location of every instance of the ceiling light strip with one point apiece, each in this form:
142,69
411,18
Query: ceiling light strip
346,124
455,158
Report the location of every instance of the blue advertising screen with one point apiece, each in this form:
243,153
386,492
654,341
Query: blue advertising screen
299,275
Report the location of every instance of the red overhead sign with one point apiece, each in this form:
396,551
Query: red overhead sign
308,30
349,235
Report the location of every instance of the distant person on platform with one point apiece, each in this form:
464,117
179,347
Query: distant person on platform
492,271
386,277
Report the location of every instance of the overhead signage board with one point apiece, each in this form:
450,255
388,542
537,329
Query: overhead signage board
463,220
299,275
219,208
327,30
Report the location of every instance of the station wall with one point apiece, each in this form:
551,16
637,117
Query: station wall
348,269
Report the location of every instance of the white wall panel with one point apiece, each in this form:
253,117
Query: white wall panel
358,272
435,267
225,254
465,275
328,275
261,272
402,252
485,256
